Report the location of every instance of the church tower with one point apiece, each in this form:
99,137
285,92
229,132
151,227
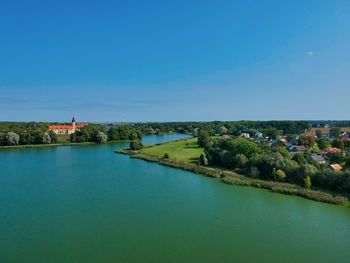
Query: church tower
73,124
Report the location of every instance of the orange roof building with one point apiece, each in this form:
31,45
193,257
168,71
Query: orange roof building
336,167
67,129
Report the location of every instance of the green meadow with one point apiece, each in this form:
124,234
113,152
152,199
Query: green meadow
184,150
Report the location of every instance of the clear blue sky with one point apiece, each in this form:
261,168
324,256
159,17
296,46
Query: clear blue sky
174,60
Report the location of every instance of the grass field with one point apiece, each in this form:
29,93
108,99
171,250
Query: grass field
184,150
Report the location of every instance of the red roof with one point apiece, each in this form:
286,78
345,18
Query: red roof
332,150
53,127
69,127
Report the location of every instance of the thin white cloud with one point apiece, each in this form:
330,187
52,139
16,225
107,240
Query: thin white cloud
310,53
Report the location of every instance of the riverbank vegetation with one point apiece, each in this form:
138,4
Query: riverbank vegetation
275,163
286,188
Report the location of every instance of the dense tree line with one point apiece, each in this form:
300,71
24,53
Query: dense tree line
226,127
26,133
101,134
124,132
90,133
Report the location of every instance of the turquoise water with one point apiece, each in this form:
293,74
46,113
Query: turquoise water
88,204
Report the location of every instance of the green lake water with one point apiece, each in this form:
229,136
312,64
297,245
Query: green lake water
88,204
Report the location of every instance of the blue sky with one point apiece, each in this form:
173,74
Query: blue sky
174,60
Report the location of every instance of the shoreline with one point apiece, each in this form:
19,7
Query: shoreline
23,146
7,147
232,178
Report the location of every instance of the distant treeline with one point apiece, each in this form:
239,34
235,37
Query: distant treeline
233,127
330,123
22,133
101,134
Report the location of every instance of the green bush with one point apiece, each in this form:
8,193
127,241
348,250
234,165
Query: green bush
136,145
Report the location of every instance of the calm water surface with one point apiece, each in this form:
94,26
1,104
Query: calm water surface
87,204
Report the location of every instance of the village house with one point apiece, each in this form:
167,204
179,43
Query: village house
331,150
344,136
245,135
292,142
297,148
259,135
294,149
283,141
67,129
336,167
279,142
318,158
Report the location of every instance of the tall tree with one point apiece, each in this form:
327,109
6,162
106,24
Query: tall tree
203,138
101,137
12,138
338,143
307,182
335,132
46,138
136,145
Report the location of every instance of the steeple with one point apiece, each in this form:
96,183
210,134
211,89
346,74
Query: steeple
73,124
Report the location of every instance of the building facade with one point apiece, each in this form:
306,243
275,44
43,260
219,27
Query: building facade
67,129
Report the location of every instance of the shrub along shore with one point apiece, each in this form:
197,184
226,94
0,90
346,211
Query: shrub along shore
232,178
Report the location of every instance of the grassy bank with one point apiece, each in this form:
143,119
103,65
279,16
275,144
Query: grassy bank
211,172
285,188
157,157
183,154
